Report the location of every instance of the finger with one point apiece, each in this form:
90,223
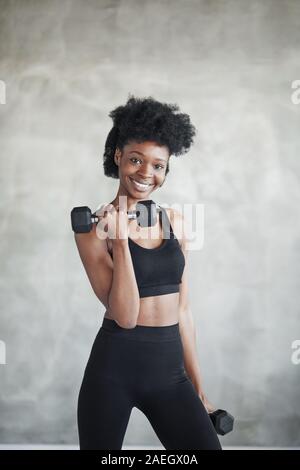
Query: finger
100,230
122,203
100,211
105,210
211,409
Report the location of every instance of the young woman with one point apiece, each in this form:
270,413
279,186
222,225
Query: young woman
144,354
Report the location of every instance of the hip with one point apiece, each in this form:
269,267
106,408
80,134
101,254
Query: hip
139,356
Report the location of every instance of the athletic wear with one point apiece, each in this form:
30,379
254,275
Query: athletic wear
158,270
141,367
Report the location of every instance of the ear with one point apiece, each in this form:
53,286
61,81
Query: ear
117,156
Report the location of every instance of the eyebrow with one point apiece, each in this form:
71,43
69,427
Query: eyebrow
140,153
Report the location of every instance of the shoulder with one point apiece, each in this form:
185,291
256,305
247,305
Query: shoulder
91,242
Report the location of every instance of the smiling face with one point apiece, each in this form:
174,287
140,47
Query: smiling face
142,169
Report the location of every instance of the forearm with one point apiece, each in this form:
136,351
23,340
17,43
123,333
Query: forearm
124,300
189,342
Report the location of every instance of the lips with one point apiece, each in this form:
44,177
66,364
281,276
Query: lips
140,186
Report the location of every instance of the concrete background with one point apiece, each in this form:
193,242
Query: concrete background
230,65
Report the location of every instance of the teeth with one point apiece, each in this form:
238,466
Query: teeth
140,185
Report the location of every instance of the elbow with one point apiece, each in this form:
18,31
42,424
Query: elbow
130,326
126,325
125,319
127,322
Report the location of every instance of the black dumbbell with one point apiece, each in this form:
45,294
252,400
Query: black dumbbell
222,421
82,218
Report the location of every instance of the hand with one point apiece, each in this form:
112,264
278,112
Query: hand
113,221
208,406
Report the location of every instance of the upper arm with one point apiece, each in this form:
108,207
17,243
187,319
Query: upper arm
186,320
97,263
178,224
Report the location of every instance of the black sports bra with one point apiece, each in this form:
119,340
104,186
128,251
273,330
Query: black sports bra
158,271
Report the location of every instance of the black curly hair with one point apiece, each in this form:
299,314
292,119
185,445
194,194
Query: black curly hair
143,119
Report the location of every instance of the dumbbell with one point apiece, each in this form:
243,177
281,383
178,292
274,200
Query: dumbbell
82,218
222,421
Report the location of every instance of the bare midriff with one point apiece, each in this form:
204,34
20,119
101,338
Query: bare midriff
160,310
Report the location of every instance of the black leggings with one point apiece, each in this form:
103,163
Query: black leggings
141,367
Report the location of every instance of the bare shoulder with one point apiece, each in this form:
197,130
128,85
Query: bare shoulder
91,243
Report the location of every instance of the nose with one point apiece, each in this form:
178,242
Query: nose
146,171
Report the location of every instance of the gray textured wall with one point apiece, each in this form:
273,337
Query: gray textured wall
230,65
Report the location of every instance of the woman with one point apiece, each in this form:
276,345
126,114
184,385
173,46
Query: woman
144,354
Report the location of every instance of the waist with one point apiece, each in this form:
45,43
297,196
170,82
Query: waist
141,332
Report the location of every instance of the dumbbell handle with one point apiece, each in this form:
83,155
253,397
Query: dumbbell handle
130,214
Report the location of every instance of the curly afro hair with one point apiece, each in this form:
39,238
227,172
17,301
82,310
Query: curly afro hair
145,119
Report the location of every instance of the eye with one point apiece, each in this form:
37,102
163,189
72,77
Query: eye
133,159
